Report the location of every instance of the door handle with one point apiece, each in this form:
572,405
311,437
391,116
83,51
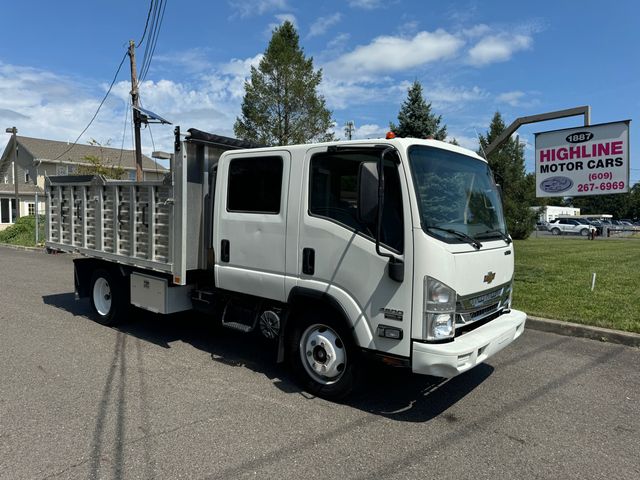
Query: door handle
308,261
224,251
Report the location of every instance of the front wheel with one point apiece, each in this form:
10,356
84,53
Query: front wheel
555,231
108,298
323,357
584,232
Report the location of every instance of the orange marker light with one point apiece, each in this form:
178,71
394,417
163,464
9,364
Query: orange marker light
390,135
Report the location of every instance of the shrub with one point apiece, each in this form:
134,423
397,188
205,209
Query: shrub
23,232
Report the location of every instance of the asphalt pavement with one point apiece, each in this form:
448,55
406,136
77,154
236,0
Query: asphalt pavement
172,397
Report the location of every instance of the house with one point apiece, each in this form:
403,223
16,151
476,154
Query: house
38,158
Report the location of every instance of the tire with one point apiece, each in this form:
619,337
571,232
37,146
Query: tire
109,300
584,232
323,356
555,231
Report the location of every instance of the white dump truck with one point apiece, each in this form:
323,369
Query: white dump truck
392,248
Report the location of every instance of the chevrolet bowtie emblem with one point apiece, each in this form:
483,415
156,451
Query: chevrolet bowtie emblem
488,278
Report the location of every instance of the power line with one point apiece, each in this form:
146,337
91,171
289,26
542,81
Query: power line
148,57
98,110
154,16
146,24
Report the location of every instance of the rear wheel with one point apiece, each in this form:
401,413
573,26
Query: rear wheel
108,298
323,356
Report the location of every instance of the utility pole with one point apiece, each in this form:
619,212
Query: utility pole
137,121
349,128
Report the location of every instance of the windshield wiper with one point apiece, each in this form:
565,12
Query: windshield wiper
490,233
470,240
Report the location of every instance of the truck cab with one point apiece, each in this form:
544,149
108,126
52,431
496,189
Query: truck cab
427,283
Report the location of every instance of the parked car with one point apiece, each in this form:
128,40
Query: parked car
542,226
570,226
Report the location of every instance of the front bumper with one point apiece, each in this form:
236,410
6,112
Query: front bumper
468,350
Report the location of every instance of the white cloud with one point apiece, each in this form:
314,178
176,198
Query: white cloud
517,98
247,8
322,24
464,140
476,31
43,104
394,54
335,47
46,105
447,96
365,4
512,98
240,67
498,48
371,130
340,94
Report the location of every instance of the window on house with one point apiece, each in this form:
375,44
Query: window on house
27,178
32,208
132,175
62,170
255,185
7,210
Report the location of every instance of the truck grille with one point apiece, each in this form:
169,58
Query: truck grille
473,308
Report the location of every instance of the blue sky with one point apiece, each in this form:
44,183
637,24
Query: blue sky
472,58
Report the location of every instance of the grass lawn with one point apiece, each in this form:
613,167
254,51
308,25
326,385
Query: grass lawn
553,280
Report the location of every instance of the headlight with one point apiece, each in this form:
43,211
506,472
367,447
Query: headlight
439,310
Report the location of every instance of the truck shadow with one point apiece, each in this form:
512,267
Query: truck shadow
390,392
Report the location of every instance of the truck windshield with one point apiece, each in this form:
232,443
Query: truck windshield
457,196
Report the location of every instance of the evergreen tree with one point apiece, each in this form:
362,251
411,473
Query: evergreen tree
518,188
281,105
415,118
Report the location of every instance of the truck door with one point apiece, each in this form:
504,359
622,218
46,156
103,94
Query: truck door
346,264
250,223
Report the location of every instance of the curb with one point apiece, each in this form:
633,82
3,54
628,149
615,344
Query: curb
585,331
22,247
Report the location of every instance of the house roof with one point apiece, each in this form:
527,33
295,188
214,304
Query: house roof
54,151
23,188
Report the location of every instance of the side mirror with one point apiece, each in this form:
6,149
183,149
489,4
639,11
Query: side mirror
368,193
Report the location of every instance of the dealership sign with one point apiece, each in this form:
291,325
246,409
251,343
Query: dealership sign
578,161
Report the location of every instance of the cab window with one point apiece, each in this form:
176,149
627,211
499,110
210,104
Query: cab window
334,194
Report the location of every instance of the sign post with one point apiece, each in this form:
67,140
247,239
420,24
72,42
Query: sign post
589,160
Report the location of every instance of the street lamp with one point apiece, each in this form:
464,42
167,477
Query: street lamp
14,131
36,163
164,156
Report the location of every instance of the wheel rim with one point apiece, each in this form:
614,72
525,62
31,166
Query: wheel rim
323,354
102,296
